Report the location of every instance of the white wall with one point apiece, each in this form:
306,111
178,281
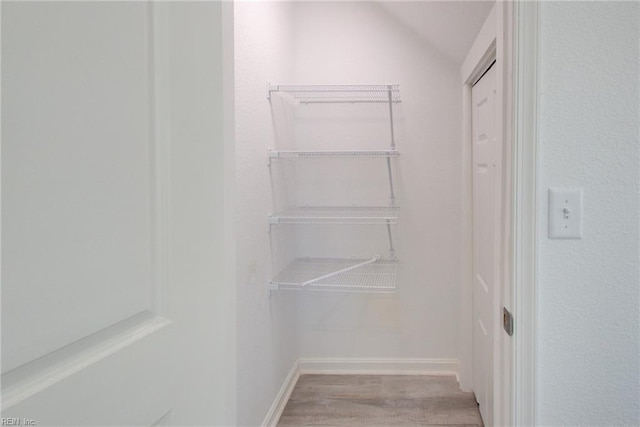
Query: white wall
266,326
360,42
588,370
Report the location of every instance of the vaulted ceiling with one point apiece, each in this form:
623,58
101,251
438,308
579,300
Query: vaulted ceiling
451,26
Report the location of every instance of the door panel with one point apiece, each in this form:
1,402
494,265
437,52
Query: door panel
83,336
117,377
76,174
484,152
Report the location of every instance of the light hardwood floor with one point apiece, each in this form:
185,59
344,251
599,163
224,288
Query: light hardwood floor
379,400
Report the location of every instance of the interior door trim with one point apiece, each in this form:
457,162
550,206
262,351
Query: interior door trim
525,166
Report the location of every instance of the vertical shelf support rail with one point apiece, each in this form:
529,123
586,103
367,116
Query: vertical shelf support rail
392,201
390,96
392,251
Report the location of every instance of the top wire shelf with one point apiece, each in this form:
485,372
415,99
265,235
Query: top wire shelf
332,94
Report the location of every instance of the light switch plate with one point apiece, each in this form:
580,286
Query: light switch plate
565,213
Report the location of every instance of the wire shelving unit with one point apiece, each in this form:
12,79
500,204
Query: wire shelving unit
355,275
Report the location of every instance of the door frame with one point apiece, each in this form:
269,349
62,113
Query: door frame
484,51
524,202
510,37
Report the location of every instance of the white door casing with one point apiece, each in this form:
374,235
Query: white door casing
524,175
86,339
486,194
495,42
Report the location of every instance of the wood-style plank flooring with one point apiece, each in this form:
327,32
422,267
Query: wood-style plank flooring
379,400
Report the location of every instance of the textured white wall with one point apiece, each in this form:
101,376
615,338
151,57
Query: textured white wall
588,370
360,42
266,326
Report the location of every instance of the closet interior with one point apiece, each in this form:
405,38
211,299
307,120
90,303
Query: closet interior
349,188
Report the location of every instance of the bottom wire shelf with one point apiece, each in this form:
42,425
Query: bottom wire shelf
379,276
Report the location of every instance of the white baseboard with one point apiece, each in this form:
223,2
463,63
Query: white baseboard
275,411
353,366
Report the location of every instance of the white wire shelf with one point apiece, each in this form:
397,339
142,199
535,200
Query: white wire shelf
379,276
347,94
337,215
274,154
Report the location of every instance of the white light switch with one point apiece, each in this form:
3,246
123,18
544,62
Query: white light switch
565,213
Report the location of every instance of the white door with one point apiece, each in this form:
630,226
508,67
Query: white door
91,332
485,195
